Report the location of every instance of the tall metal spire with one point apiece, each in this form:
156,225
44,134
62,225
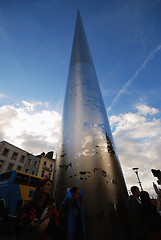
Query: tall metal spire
80,50
86,155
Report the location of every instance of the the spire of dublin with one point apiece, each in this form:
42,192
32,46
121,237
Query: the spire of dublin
86,155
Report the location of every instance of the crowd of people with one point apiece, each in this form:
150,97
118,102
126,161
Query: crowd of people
145,216
40,219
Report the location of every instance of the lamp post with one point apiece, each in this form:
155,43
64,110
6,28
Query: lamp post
136,171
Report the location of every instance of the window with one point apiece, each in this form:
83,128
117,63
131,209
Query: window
33,172
4,176
29,161
33,182
44,163
19,168
51,166
22,159
42,174
49,175
10,166
31,193
5,152
26,170
35,164
22,179
14,156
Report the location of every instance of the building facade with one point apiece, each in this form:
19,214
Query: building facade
32,164
47,165
11,157
14,158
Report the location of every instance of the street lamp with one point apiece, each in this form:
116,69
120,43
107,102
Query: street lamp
136,171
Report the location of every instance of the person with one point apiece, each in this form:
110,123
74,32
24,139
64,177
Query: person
140,231
159,203
74,226
151,216
39,218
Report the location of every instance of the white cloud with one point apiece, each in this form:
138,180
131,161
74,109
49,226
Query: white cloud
33,131
137,138
145,110
31,105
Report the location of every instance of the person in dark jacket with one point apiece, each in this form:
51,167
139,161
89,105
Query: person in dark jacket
73,218
140,231
39,217
151,216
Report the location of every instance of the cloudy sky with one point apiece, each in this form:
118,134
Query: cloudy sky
125,41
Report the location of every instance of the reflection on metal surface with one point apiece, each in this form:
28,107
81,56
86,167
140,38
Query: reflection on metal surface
86,155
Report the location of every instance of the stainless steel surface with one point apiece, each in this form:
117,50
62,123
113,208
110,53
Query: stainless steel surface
86,155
